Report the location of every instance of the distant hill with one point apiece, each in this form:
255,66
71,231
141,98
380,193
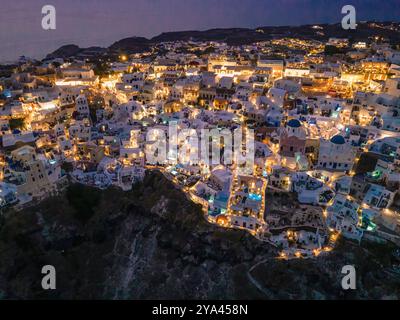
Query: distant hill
231,36
131,45
71,50
64,52
240,36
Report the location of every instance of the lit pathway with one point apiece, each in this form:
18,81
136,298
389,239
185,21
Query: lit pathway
255,282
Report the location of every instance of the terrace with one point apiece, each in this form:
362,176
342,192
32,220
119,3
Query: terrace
246,203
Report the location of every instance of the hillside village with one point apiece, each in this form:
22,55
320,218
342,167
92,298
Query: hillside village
325,117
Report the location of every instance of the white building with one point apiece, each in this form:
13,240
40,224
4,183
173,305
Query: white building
336,154
82,106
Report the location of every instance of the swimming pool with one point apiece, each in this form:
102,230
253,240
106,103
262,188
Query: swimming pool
255,197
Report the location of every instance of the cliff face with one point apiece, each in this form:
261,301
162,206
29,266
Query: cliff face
152,243
147,243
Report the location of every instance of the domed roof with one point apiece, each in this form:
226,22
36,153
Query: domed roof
338,139
294,123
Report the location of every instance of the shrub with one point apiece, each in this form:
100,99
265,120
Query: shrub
83,199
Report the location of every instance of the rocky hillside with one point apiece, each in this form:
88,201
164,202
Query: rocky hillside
239,36
152,243
131,45
72,50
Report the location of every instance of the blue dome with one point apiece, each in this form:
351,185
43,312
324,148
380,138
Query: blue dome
294,123
338,139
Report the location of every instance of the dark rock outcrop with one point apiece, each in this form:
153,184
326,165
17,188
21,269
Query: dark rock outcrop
65,51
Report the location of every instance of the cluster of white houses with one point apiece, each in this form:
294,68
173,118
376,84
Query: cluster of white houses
327,129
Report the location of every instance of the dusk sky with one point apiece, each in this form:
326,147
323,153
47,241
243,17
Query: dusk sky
102,22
